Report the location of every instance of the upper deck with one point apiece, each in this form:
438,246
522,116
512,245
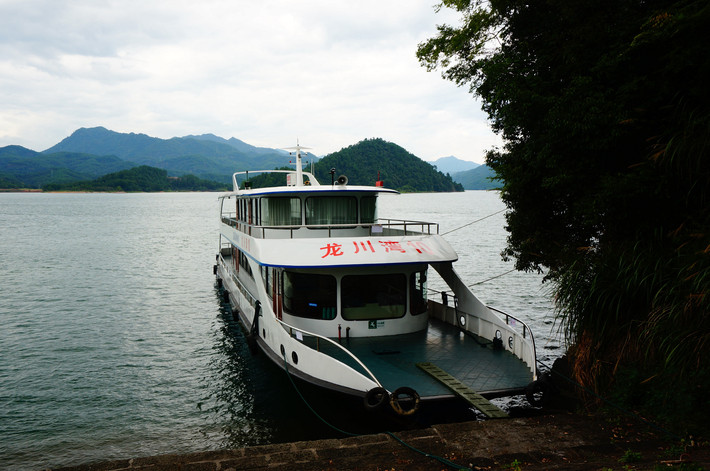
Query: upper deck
304,208
311,216
326,228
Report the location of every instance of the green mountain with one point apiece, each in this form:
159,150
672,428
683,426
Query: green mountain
201,155
142,178
241,145
478,178
453,165
21,167
90,153
400,170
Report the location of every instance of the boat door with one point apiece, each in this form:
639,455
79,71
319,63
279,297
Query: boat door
277,293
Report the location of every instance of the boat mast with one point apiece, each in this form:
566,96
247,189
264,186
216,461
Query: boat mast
299,166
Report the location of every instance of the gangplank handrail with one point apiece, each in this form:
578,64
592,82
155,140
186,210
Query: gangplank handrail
508,317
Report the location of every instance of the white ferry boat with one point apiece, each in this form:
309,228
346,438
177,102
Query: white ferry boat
338,297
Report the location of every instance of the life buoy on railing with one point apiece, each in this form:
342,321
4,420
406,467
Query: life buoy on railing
375,398
410,395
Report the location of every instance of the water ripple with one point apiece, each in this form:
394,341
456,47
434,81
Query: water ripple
115,342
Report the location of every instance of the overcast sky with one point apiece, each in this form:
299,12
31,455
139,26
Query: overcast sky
329,73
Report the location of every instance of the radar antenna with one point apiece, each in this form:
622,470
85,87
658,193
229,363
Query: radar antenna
299,165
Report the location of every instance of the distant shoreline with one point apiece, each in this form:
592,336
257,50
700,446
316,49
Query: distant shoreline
38,190
20,190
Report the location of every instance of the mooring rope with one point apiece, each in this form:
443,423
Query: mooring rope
492,278
473,222
477,283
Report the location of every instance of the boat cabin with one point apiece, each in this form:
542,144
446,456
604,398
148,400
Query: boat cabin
348,287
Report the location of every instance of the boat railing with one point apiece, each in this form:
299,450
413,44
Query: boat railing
381,227
250,298
519,327
318,338
514,322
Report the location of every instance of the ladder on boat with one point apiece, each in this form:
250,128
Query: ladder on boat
463,391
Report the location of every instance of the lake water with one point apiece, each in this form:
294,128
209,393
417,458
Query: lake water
114,342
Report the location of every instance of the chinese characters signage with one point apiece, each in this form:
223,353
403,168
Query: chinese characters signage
384,246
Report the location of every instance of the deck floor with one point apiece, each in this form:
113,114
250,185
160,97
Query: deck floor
393,359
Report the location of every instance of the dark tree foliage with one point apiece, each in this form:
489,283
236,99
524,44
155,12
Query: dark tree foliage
605,114
143,179
9,181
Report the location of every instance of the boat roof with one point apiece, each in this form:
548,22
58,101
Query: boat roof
306,189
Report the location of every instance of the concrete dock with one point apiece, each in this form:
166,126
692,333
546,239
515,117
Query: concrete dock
562,441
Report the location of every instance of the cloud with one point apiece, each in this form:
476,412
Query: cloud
268,72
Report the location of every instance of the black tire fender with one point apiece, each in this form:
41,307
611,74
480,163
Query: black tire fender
406,392
375,398
537,393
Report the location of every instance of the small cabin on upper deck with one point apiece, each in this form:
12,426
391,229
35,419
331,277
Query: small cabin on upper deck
306,211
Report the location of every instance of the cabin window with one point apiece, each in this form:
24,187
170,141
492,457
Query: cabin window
368,209
417,293
244,263
309,295
280,211
266,276
331,210
373,296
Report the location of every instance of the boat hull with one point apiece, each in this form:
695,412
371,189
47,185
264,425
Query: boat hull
393,359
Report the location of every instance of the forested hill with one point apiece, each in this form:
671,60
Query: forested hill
398,168
143,178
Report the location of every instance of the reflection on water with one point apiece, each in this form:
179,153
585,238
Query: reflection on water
232,386
115,342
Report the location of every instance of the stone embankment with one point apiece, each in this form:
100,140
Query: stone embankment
560,441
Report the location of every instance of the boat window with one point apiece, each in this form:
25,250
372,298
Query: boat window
244,263
281,211
309,295
368,209
266,276
331,210
373,296
257,213
417,293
